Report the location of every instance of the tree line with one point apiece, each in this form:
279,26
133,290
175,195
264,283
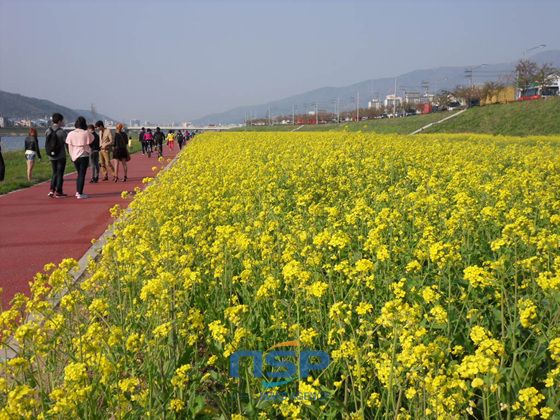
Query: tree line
526,75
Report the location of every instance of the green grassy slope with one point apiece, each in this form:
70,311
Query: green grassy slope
391,125
539,117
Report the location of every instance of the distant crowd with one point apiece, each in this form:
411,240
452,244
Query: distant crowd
93,146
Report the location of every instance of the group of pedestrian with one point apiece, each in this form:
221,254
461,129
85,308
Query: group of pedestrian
86,147
118,145
90,148
148,139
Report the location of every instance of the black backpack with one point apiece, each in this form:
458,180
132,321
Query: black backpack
52,146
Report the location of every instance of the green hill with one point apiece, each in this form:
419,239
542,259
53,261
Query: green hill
13,105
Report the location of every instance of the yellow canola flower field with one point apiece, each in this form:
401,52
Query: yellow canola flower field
427,267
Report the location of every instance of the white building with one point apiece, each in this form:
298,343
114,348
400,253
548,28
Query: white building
374,104
392,100
428,98
412,97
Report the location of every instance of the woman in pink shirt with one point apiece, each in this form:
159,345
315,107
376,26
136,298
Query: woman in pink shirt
78,146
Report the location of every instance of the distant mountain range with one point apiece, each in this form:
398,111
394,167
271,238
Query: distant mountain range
443,78
13,105
436,79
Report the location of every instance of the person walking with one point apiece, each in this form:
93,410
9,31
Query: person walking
170,139
148,139
120,152
158,138
32,151
105,148
2,164
180,139
141,140
78,146
94,155
56,150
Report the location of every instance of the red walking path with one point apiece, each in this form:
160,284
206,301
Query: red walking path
36,229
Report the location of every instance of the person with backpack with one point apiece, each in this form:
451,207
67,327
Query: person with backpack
141,140
148,139
180,139
54,147
158,138
106,146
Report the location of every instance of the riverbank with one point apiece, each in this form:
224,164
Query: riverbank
16,171
18,131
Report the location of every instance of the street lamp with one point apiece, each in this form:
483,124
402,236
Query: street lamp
531,49
470,76
470,72
436,82
336,103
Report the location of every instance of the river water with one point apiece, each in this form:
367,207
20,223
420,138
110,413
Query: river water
17,143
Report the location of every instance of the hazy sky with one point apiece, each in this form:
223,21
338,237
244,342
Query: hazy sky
181,60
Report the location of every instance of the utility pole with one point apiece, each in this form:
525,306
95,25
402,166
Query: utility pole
395,99
358,106
93,114
337,110
316,114
436,82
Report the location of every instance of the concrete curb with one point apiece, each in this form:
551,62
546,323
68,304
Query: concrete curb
437,122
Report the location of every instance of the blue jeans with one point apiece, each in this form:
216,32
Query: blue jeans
94,163
58,167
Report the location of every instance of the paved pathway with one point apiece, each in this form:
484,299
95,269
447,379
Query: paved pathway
36,230
437,122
